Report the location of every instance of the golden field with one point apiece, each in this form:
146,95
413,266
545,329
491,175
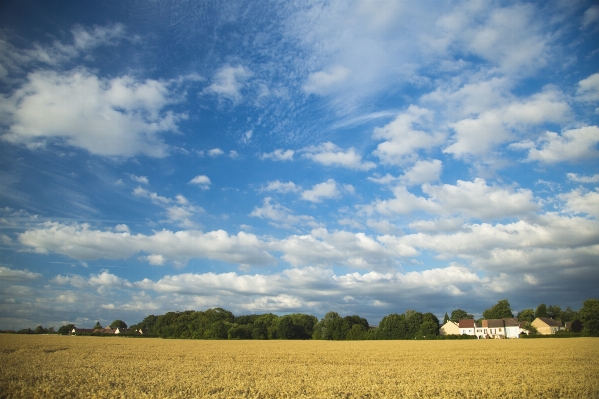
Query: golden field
37,366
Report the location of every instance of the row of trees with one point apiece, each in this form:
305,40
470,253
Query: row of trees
66,329
219,323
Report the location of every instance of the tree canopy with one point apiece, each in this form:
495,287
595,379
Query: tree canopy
501,310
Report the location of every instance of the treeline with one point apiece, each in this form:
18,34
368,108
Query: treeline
219,323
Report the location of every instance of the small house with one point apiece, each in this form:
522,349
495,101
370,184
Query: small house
547,326
467,327
449,328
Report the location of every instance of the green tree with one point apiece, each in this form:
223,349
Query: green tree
526,315
285,328
98,325
569,315
393,326
554,312
460,314
118,323
589,316
446,318
39,330
357,332
329,327
66,329
541,310
501,310
532,330
240,332
428,329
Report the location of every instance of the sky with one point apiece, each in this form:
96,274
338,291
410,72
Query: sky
362,157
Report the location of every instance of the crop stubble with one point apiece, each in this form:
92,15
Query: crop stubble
98,367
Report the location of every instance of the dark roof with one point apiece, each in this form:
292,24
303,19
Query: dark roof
467,323
495,323
550,322
511,322
83,330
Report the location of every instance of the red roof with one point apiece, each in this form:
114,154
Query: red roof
467,323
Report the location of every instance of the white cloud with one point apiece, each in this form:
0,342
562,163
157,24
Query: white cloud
383,226
140,179
228,82
588,89
83,243
107,279
114,117
481,134
438,225
154,197
282,216
323,82
178,210
591,16
356,250
580,201
215,152
406,135
468,198
279,155
325,190
551,242
7,274
281,187
155,260
329,154
480,30
571,146
422,172
583,179
201,180
13,59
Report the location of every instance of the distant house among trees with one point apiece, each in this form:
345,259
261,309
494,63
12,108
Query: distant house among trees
547,326
449,328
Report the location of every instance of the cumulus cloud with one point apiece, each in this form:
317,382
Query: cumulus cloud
329,154
215,152
325,190
480,31
228,82
583,179
356,250
80,241
571,146
281,216
140,179
122,116
406,135
474,199
7,274
323,82
279,155
588,89
480,134
201,180
422,172
580,201
179,210
281,187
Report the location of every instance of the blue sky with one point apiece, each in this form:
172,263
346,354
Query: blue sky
356,156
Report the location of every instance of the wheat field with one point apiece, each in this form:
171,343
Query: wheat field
33,366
